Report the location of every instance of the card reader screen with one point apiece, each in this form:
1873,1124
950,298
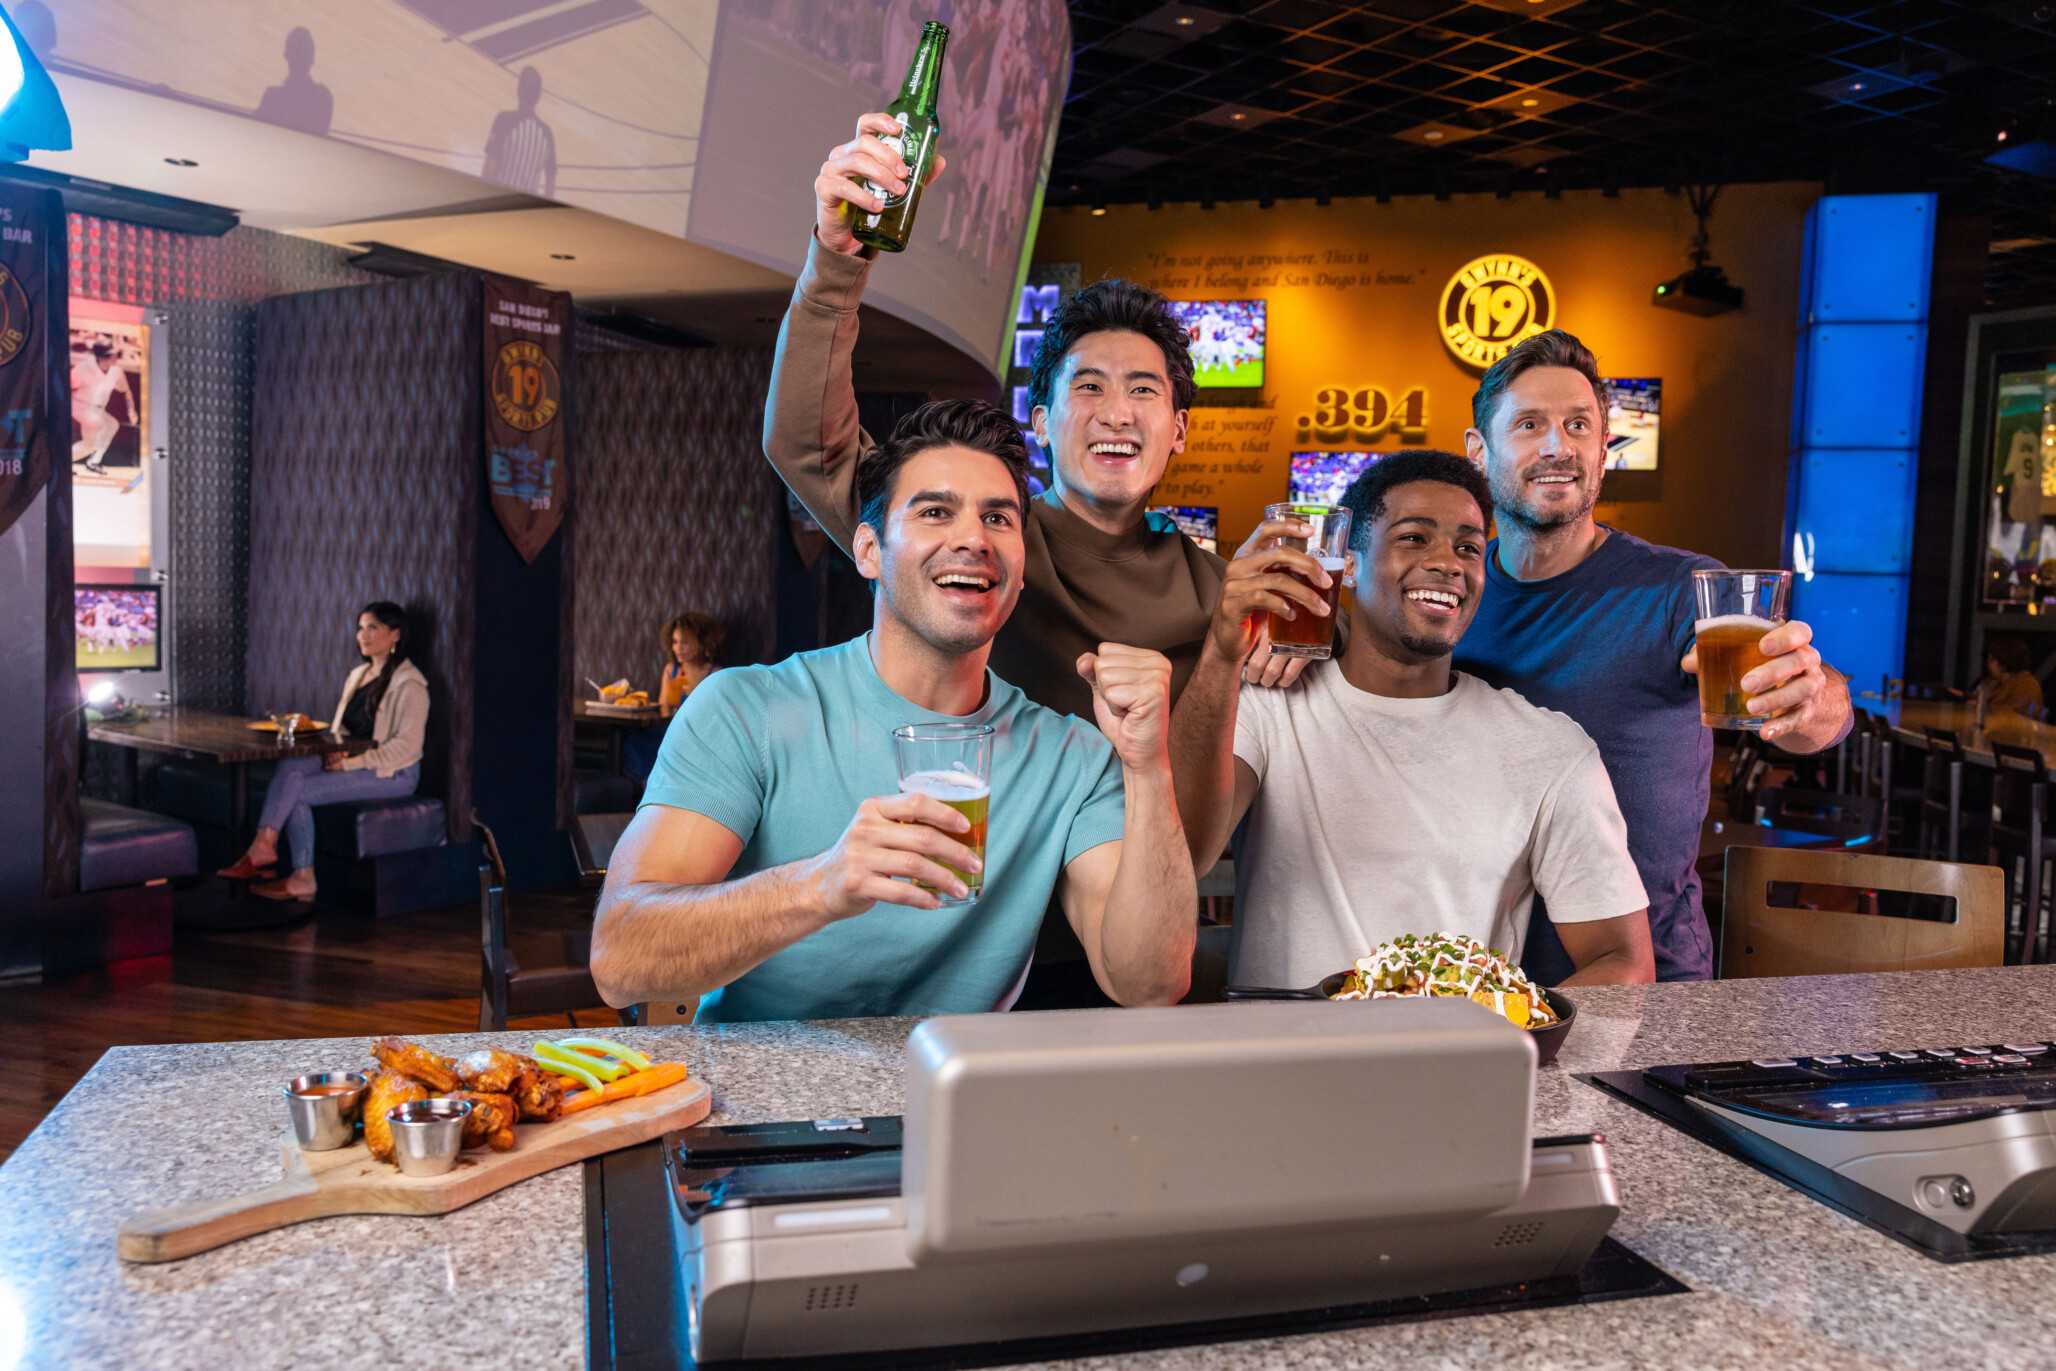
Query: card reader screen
1896,1103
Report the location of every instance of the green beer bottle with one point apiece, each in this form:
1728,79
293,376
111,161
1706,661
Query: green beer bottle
890,228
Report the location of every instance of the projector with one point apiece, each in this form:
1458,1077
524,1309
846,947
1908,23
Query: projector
1704,290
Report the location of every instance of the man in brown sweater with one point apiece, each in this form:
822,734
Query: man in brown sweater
1111,386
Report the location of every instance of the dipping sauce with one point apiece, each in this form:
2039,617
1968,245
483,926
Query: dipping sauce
308,1092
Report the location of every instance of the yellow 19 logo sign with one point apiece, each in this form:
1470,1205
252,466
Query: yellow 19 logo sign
1365,412
1493,303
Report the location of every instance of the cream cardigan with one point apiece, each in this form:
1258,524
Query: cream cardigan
400,725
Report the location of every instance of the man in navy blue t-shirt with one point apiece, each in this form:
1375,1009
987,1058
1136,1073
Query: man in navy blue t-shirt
1597,623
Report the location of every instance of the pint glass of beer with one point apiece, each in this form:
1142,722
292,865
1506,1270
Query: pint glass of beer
952,763
1307,634
1736,608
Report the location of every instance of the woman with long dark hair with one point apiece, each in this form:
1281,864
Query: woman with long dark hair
692,652
386,700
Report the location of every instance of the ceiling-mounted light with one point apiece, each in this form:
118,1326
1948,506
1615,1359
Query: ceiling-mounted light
1185,21
1238,116
1099,211
1433,135
1530,102
31,111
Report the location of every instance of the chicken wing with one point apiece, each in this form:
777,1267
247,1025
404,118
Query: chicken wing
388,1088
491,1119
492,1070
397,1054
540,1093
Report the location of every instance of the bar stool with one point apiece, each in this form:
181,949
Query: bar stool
1941,795
1894,757
2021,838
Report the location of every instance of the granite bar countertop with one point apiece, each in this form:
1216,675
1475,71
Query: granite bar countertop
1776,1277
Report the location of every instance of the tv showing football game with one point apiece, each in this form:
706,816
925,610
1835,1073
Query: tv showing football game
1200,523
1227,342
1320,478
1631,421
116,627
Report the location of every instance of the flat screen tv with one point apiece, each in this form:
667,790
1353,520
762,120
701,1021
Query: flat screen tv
1200,523
1227,339
1320,478
118,627
1632,420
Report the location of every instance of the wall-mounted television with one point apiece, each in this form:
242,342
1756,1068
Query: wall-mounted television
1632,419
1227,341
118,627
1320,478
1200,523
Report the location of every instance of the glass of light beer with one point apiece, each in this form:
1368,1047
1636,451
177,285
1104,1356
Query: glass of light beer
1736,608
1307,634
952,763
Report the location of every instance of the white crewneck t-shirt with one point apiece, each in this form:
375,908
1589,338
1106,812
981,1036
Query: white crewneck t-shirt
1377,816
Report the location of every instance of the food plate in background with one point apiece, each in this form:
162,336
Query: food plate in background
620,711
1548,1037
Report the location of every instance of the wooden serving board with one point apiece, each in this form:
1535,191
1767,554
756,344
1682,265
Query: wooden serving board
349,1180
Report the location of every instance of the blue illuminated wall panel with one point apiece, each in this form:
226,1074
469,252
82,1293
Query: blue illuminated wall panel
1856,425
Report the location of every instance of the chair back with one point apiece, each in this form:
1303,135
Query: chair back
2020,776
496,964
1801,912
593,837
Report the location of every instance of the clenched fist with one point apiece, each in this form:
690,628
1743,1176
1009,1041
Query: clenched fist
1131,701
839,190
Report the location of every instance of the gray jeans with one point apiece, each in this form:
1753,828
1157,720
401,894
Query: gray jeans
299,784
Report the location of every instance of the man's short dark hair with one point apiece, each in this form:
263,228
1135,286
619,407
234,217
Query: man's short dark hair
1554,348
1365,498
939,423
2010,653
1107,307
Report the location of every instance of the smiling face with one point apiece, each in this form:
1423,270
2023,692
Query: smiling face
948,561
1111,425
1417,590
1545,449
374,639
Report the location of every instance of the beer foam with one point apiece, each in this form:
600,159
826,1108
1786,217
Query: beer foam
1331,565
1733,621
955,786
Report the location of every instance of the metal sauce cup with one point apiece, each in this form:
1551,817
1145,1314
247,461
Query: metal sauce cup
427,1135
325,1117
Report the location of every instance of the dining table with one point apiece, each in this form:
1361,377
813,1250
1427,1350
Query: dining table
617,724
227,740
1961,718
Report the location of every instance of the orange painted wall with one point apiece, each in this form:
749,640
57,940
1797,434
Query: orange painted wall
1727,380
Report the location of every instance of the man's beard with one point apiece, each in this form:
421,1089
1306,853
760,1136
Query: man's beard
1425,647
1509,504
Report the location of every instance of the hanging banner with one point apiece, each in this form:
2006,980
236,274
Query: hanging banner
24,370
527,452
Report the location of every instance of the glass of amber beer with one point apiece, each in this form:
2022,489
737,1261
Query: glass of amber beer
1307,634
1736,608
952,763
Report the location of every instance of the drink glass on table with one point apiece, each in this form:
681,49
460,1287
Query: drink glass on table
1735,610
951,763
1307,634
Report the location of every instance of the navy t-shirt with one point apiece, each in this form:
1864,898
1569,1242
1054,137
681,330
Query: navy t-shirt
1601,643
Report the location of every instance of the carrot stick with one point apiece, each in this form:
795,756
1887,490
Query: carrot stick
628,1087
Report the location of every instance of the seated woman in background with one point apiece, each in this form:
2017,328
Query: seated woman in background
385,700
692,652
2008,685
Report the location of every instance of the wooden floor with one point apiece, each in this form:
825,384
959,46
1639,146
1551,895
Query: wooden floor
332,975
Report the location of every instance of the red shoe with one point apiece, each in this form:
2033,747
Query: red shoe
246,870
283,890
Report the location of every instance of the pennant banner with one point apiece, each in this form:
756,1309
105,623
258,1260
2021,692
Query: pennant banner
527,454
24,370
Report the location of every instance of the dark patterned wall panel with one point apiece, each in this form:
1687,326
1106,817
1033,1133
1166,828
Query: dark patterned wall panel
676,507
208,287
364,485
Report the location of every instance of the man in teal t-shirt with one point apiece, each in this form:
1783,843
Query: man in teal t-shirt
744,879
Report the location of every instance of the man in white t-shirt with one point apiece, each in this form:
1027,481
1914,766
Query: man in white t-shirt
1389,793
